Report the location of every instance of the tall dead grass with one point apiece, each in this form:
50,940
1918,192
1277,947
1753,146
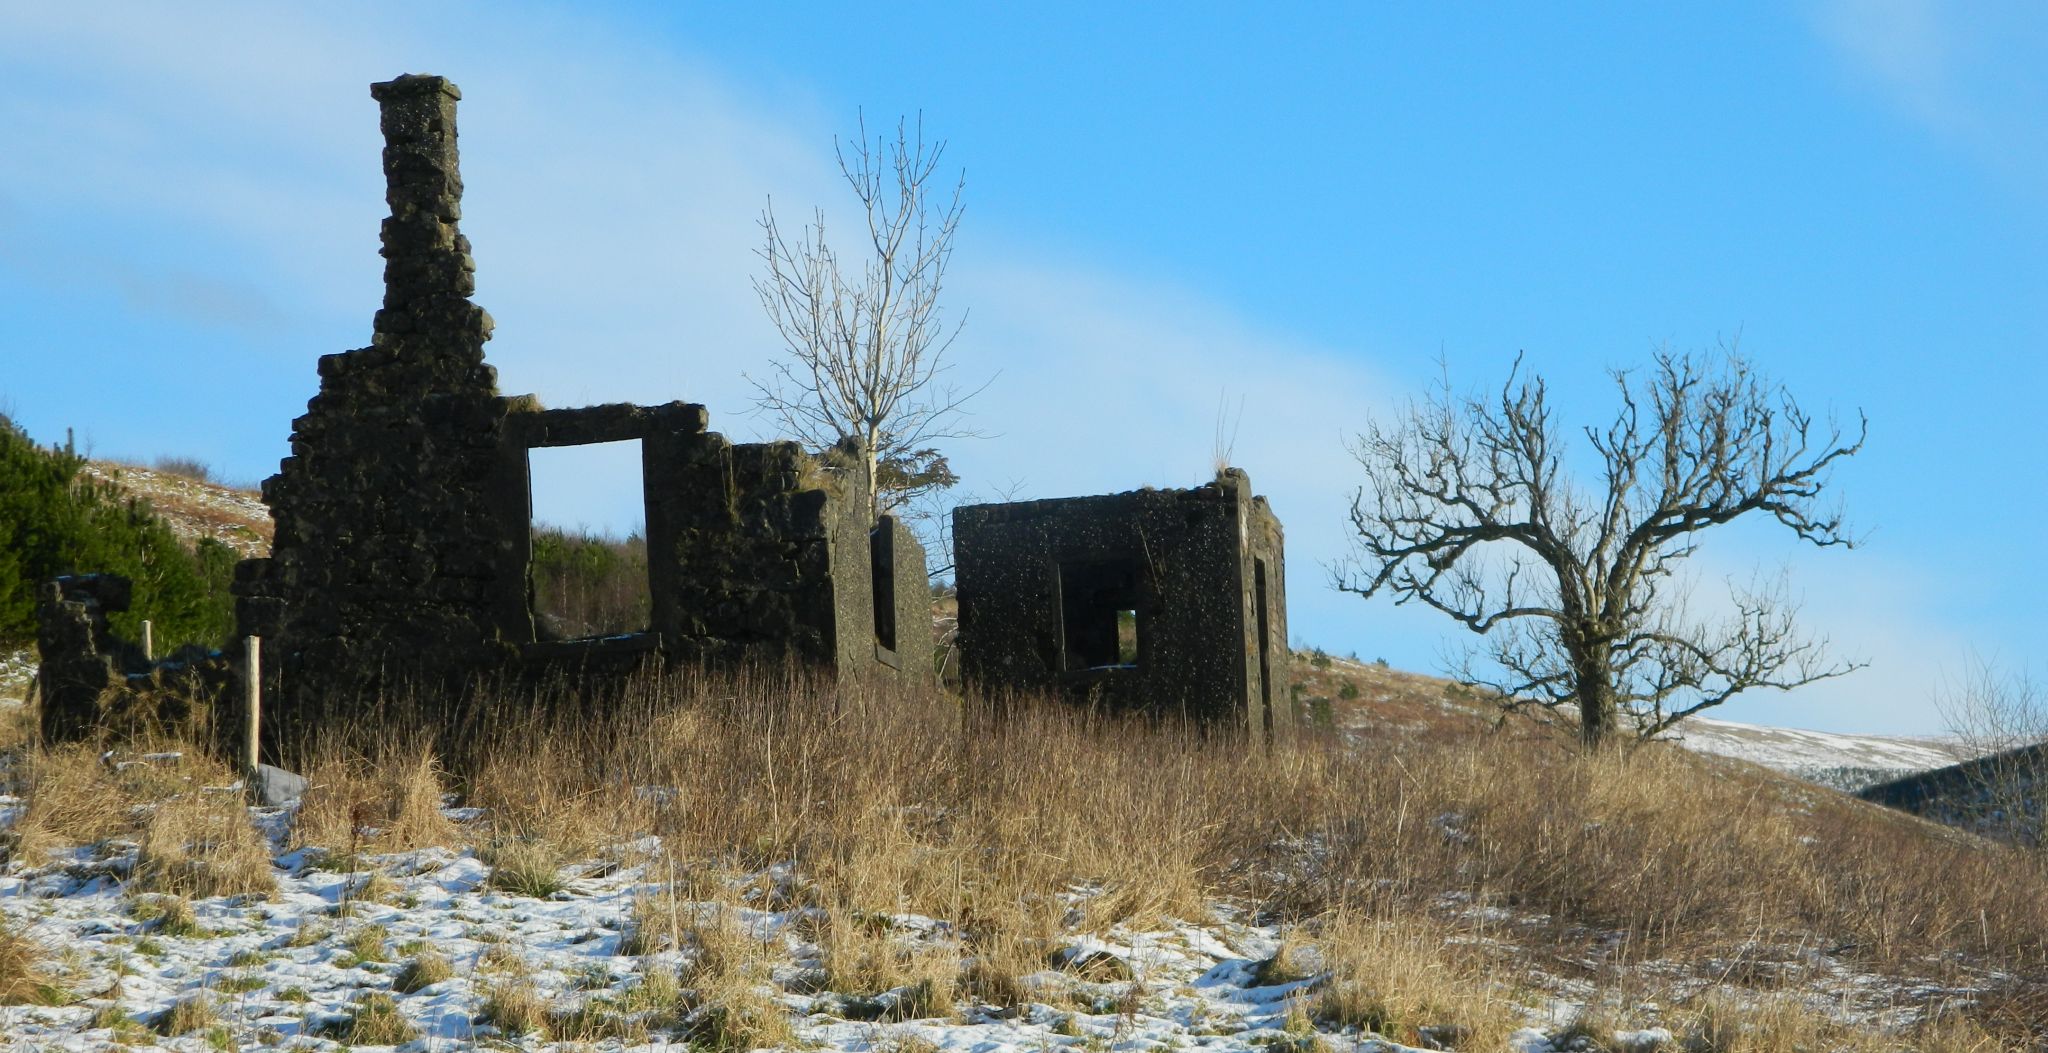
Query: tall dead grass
914,804
194,837
1022,830
1403,977
380,796
200,845
891,804
25,968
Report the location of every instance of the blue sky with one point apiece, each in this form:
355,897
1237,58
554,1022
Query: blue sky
1299,209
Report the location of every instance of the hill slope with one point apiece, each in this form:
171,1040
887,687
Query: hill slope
1370,699
195,508
1378,700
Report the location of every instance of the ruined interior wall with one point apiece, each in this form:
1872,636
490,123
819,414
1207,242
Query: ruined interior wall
80,661
1272,709
744,550
394,558
1191,629
91,683
913,609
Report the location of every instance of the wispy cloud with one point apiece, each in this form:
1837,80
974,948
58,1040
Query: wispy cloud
1971,74
1901,47
613,193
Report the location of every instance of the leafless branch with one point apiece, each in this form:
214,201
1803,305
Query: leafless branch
865,339
1467,510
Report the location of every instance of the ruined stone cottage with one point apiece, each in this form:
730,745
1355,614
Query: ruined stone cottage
402,558
1170,602
404,511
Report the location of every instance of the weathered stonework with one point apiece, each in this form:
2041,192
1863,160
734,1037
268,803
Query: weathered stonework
81,662
91,682
401,560
393,558
1050,592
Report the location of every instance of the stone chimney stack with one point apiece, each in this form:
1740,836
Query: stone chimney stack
428,271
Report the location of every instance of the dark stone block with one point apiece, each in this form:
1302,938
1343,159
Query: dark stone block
1169,602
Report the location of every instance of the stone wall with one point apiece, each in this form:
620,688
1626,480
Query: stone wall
396,558
81,662
1049,592
91,683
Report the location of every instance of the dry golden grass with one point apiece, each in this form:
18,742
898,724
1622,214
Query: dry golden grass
375,1020
728,1002
69,797
25,973
167,915
514,1006
873,805
200,845
863,956
18,725
192,841
187,1014
385,797
1790,1022
523,867
1400,977
914,804
421,971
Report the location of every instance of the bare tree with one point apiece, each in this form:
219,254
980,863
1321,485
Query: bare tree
1468,510
865,338
1999,721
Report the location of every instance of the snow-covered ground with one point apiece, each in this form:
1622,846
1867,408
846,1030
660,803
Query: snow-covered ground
17,668
289,969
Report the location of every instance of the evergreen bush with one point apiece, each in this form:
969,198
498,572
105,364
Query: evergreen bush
55,521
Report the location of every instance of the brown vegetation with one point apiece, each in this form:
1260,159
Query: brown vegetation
1593,865
1430,888
377,796
25,975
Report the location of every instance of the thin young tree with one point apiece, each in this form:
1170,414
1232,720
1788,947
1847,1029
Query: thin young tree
864,337
1468,509
1998,720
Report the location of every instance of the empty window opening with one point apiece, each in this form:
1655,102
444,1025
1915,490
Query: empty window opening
588,575
1100,605
882,560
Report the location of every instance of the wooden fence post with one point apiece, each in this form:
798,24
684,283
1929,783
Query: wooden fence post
252,701
148,642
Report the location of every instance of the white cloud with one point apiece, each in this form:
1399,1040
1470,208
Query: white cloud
1870,608
1903,47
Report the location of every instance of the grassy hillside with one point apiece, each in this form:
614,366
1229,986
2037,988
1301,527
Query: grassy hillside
756,862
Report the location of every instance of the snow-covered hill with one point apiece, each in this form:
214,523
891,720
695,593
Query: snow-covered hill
1846,762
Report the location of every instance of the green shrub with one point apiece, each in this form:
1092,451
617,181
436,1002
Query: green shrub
55,521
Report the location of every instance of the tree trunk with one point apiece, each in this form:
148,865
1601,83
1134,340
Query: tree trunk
1594,691
872,461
